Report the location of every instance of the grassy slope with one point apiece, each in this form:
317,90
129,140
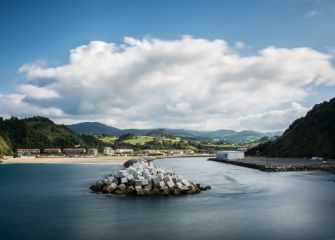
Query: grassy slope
108,139
140,140
4,147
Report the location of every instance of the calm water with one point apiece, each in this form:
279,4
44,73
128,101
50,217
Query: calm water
53,202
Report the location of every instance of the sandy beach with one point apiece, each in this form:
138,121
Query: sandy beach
85,159
69,160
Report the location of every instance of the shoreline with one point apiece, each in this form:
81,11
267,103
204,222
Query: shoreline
281,164
67,160
260,163
84,160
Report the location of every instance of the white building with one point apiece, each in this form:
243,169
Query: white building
108,151
124,151
229,155
92,151
52,151
74,151
28,152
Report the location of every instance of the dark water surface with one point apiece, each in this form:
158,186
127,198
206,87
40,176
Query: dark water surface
54,202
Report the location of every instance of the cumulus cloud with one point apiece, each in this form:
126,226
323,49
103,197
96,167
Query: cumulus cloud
188,83
36,92
14,105
274,120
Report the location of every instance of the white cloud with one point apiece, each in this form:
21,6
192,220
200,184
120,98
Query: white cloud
274,120
14,105
189,83
313,13
36,92
240,45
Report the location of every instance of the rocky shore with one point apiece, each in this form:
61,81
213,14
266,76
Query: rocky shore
143,178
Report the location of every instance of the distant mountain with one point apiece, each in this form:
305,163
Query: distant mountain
245,136
91,128
157,133
138,132
312,135
205,135
222,134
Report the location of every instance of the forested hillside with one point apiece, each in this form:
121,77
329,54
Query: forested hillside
38,132
312,135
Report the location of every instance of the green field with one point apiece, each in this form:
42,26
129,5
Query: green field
140,140
108,139
221,145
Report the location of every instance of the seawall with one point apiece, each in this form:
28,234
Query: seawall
282,164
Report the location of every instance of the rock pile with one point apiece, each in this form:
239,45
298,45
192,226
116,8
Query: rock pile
145,178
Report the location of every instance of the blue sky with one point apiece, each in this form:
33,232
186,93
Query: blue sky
47,30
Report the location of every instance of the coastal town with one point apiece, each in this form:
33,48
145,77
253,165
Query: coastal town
80,154
78,151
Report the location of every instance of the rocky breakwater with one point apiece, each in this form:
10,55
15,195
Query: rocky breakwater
143,178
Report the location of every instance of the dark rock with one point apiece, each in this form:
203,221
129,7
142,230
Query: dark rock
119,192
98,186
204,187
104,189
176,192
155,191
110,189
130,189
131,162
192,189
165,192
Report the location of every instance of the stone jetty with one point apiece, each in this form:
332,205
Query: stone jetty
143,178
282,164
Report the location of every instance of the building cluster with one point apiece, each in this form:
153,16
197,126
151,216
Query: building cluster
28,152
167,152
21,152
120,151
79,151
75,151
124,151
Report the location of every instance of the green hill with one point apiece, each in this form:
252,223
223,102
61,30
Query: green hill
39,132
312,135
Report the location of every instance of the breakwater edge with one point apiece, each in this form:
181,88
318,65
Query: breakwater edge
282,164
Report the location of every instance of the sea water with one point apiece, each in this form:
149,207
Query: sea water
53,201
